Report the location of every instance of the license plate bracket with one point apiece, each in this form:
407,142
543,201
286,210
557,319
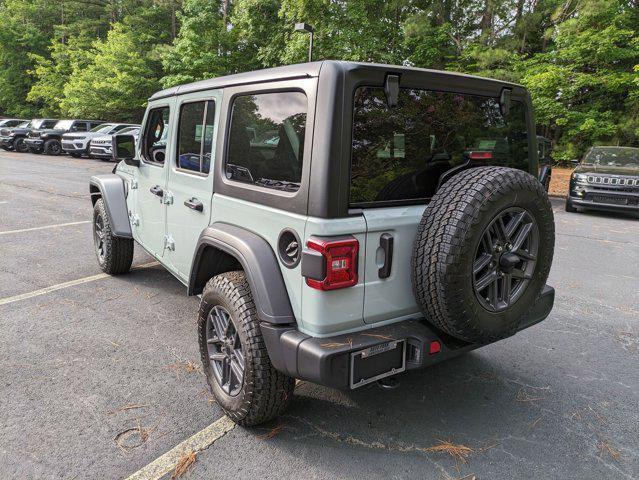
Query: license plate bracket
377,362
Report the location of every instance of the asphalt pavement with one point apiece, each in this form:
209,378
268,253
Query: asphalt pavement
100,376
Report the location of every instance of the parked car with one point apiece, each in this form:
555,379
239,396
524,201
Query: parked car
49,141
76,143
544,149
607,178
100,146
14,138
348,269
11,122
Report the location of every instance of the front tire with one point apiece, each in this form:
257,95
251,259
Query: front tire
20,146
569,207
234,356
115,254
53,147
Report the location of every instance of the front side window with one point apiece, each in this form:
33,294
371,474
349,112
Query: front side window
266,140
155,135
400,153
195,136
48,124
79,127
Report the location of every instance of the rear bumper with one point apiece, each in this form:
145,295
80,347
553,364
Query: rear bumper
329,361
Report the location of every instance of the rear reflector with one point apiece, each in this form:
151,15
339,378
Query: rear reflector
340,257
481,155
435,347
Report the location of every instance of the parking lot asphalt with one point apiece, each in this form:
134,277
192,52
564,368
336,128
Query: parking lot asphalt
101,377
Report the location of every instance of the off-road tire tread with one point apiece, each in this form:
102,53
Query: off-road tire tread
119,251
266,392
454,210
47,147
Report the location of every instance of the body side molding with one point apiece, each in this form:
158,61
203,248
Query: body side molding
111,188
259,262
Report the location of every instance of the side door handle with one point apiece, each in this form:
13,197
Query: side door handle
194,204
157,190
386,244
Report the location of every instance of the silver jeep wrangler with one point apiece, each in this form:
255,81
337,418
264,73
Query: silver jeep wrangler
342,222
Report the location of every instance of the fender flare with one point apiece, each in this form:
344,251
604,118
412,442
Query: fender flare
110,188
260,265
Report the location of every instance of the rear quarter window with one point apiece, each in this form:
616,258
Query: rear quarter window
399,154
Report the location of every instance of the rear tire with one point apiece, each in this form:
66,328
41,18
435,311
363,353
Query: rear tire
114,254
483,252
20,146
229,336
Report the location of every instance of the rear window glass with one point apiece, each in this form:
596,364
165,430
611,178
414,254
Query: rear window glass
266,141
400,153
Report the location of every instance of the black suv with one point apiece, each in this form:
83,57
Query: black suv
606,179
13,138
49,140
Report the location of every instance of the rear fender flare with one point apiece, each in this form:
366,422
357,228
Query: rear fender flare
256,257
111,189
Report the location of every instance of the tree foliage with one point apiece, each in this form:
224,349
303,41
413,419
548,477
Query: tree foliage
103,58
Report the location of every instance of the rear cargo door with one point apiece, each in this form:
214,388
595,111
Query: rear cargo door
400,155
389,244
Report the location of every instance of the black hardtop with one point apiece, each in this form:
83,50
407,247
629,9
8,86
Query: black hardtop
337,68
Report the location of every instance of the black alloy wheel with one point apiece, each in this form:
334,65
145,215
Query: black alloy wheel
225,351
505,259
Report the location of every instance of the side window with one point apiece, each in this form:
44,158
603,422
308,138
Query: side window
195,136
79,127
49,124
156,131
266,140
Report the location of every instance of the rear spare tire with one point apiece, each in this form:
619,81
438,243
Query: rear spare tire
483,252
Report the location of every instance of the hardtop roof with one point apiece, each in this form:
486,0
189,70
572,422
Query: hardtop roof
300,70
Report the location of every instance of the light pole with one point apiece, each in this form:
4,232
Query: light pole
305,27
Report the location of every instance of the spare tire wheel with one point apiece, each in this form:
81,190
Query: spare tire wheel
483,252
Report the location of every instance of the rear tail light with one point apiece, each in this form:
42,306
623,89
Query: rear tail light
481,155
435,347
339,256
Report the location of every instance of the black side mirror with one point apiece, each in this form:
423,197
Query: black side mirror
504,101
123,148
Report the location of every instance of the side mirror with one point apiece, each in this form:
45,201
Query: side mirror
123,148
575,161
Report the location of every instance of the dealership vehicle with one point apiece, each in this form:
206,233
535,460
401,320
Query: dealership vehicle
77,143
14,138
100,146
334,222
49,140
11,122
606,179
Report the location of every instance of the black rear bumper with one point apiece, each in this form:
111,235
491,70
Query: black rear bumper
329,361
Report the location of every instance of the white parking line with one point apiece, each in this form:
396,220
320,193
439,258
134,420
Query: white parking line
198,442
71,283
44,227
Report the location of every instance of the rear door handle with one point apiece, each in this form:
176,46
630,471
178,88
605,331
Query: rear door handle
194,204
386,244
157,190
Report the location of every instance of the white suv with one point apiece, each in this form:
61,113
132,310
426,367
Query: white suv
76,144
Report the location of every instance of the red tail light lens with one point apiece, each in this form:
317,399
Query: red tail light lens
340,257
481,155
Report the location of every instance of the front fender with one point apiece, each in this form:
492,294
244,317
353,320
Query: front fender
111,189
260,265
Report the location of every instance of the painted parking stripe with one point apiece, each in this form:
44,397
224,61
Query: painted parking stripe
44,227
198,442
72,283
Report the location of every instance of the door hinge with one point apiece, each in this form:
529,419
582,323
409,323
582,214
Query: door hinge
134,219
134,184
167,199
169,243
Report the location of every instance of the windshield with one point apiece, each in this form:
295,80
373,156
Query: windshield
612,156
103,128
24,125
130,130
63,125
